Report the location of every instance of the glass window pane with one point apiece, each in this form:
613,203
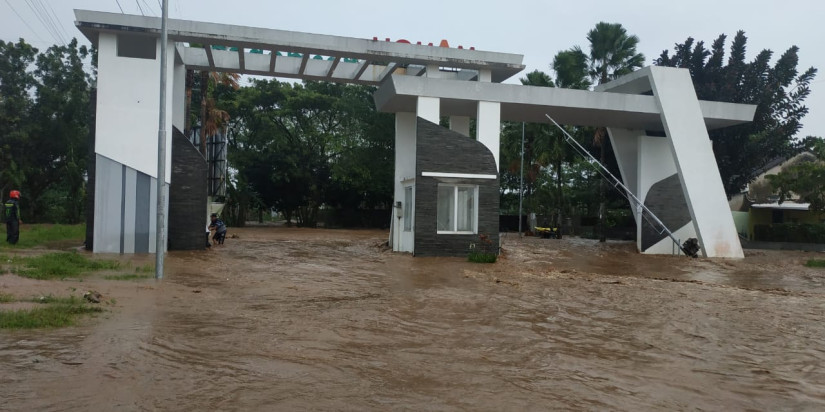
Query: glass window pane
408,208
466,207
446,208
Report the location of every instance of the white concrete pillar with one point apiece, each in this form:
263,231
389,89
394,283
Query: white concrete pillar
460,124
485,76
699,175
178,97
429,108
405,140
488,127
432,71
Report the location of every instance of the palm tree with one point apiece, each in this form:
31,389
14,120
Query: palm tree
572,72
212,118
612,54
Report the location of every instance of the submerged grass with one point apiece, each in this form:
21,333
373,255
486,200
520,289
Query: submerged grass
482,257
6,298
40,235
127,276
61,265
816,263
56,312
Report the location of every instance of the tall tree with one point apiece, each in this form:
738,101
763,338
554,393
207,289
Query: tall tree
44,128
778,91
612,54
16,82
298,147
804,181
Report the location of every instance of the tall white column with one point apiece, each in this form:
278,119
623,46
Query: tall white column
460,124
488,127
405,140
691,147
429,108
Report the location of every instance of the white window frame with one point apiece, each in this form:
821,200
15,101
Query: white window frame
455,210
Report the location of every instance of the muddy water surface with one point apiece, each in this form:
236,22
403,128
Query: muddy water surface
289,319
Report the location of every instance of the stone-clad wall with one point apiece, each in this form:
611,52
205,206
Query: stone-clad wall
667,201
441,150
187,196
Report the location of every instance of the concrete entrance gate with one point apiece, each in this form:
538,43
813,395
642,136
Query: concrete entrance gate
417,82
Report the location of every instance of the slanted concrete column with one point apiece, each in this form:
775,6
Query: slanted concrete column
693,155
488,127
460,124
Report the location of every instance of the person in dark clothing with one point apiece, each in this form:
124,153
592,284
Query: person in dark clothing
11,210
220,229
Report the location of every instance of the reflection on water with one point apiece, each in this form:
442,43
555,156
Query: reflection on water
295,319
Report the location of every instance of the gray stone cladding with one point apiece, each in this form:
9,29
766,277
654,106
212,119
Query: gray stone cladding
667,201
442,150
187,196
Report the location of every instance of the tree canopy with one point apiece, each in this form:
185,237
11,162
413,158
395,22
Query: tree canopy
777,90
44,127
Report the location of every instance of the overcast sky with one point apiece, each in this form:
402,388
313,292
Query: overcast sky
536,29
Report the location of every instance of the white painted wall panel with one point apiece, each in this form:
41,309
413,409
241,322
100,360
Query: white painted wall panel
405,141
128,98
108,192
129,195
488,127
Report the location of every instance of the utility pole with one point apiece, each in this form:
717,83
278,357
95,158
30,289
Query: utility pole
521,179
160,232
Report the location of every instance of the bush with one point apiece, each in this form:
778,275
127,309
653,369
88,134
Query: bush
790,232
483,251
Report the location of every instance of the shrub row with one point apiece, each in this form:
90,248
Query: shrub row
790,232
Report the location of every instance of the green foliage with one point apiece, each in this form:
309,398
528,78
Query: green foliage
58,312
483,251
815,263
62,265
805,180
778,92
44,122
299,147
6,298
790,232
46,235
557,180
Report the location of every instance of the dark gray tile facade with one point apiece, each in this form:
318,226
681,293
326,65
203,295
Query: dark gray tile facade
667,201
187,196
442,150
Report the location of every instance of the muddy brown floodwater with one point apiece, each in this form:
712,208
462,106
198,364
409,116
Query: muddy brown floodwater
291,319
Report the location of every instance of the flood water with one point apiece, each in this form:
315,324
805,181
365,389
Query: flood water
291,319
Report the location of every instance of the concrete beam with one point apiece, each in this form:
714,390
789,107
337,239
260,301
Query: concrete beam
501,65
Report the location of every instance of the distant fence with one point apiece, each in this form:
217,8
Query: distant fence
367,219
584,226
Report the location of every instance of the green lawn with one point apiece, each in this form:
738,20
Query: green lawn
45,235
58,265
55,313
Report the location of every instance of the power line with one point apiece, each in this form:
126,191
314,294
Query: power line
148,7
119,6
25,22
55,36
57,20
47,19
140,8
